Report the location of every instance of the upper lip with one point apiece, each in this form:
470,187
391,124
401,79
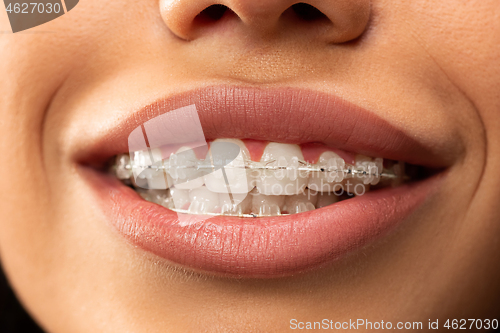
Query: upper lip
285,115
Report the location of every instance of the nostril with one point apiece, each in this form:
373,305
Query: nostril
307,12
330,21
213,13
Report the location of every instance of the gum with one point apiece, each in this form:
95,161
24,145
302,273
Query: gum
311,151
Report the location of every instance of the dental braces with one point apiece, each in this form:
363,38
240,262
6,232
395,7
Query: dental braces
304,167
129,170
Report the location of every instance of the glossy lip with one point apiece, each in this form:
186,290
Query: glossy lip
265,247
285,115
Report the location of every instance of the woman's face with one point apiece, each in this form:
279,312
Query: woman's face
427,69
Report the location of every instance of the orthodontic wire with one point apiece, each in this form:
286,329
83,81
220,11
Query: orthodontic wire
306,167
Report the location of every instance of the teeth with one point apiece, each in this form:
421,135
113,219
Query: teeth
203,201
334,174
189,178
300,207
355,185
182,165
158,179
326,199
162,198
122,167
224,182
301,202
362,163
277,182
281,163
239,204
143,159
355,182
378,167
399,171
370,167
267,205
293,168
155,177
145,195
239,179
158,197
172,166
179,198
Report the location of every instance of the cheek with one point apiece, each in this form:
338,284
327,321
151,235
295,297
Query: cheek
466,53
4,21
37,224
35,65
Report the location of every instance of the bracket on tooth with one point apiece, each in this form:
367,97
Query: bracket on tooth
123,168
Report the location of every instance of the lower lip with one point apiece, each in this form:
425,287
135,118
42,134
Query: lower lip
261,247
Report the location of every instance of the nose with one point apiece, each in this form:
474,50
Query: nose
332,21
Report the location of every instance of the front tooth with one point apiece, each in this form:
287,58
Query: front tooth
203,201
189,160
302,202
293,168
267,205
239,179
334,173
326,199
281,163
300,207
267,182
269,210
239,204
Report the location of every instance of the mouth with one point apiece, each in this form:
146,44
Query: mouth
311,178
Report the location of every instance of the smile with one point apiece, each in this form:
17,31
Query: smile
329,180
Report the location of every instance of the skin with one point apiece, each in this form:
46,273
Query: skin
429,67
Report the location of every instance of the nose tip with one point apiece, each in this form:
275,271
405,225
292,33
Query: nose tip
333,21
